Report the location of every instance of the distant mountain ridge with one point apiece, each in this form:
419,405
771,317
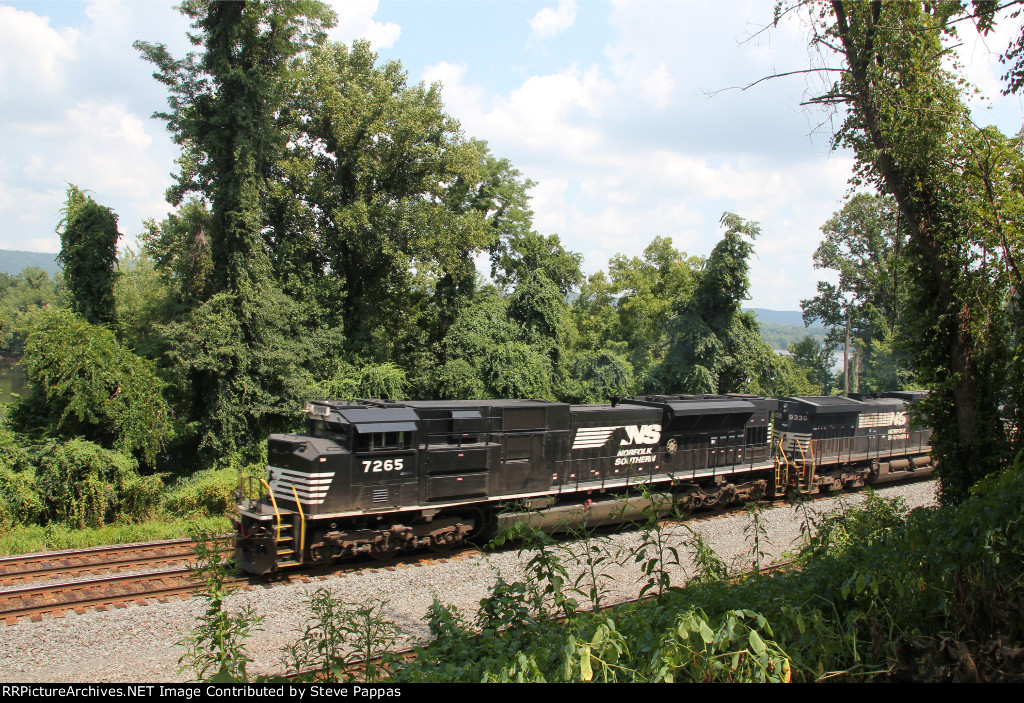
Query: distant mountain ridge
780,327
14,262
778,317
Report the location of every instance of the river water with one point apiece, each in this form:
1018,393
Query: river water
12,380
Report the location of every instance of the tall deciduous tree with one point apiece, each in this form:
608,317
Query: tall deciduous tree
865,246
914,139
241,364
225,105
88,253
715,347
384,203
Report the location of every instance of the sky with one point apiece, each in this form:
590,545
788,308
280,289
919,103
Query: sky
620,112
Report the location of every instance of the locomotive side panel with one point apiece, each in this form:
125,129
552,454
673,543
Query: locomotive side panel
610,446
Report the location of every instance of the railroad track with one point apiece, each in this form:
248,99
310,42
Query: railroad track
31,567
77,596
100,593
118,591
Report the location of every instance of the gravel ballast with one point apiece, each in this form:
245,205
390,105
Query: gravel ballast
137,643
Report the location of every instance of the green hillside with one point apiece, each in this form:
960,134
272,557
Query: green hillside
13,261
780,327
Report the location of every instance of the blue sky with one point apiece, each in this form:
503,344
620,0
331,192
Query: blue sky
609,106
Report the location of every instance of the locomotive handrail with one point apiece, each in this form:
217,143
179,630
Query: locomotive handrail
785,458
273,502
302,525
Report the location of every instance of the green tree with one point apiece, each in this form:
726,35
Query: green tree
143,300
242,374
85,384
913,138
384,204
237,379
814,360
525,254
88,252
865,245
595,376
713,346
24,294
645,289
180,249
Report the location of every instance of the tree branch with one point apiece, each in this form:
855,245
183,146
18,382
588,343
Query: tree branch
774,75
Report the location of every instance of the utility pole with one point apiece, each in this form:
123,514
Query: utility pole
846,356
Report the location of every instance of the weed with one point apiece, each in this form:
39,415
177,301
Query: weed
656,554
339,634
709,566
757,532
214,649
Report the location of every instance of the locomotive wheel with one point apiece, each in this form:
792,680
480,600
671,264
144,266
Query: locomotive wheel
384,554
441,547
447,542
485,527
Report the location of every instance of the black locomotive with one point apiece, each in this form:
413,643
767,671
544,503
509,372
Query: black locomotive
375,477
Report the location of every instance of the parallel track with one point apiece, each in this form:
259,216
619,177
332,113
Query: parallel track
30,567
118,591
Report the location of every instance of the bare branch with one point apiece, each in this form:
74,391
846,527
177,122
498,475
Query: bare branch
774,75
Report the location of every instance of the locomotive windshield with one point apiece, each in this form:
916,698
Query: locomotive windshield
371,441
337,431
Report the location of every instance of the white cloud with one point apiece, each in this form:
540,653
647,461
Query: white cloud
75,106
355,21
552,21
33,55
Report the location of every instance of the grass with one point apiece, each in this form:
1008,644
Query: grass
32,539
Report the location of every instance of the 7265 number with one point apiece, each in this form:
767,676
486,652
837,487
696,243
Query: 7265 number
378,465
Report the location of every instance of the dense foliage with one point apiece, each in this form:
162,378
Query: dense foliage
88,236
85,384
943,280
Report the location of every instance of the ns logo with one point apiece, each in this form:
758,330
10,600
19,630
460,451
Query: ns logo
594,437
641,434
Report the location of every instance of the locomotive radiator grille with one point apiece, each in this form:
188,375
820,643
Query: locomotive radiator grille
311,488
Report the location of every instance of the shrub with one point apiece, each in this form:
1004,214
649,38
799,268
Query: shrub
85,384
206,493
20,503
84,485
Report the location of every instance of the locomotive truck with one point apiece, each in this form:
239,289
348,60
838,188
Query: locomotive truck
376,477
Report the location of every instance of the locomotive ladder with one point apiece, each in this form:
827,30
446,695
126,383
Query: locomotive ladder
805,467
800,471
289,541
781,472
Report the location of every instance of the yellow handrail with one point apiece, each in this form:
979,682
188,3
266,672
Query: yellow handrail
785,458
277,513
302,522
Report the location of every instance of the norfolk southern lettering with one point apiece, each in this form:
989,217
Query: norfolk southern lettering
376,477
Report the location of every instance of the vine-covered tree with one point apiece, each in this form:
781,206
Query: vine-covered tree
913,137
225,106
85,384
715,347
88,253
